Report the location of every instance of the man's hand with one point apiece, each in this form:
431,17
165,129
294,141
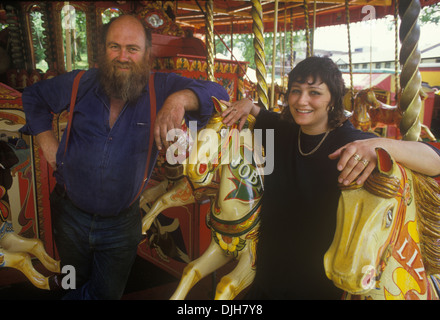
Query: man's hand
171,115
49,145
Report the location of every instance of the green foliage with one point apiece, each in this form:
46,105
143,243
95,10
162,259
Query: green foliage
430,14
38,40
245,43
78,41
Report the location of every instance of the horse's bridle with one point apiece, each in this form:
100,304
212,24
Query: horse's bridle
401,214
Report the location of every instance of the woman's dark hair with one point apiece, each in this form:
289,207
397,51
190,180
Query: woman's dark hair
324,69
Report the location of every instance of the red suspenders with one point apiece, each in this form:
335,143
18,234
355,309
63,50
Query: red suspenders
152,119
72,104
150,142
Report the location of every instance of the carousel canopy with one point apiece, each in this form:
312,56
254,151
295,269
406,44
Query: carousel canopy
236,16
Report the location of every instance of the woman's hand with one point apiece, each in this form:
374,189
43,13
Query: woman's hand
238,111
357,160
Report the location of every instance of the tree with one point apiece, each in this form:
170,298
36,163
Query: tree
430,14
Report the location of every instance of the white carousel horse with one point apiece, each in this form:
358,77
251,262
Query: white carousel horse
386,244
235,206
16,251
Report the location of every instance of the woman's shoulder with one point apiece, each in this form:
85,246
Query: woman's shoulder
347,128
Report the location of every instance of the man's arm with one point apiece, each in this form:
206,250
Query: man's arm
184,97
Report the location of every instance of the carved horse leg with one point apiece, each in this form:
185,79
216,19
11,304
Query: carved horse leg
151,194
238,279
212,259
179,195
14,243
22,261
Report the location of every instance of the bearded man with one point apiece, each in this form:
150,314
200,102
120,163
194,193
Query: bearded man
100,162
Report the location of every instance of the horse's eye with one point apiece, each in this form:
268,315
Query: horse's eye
223,132
389,218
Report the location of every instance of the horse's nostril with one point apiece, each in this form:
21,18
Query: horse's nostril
202,168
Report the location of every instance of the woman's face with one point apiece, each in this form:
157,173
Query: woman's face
309,105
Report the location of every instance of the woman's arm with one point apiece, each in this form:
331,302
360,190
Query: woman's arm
414,155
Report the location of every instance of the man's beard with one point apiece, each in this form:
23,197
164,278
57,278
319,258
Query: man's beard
124,85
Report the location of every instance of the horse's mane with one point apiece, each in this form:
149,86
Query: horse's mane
427,199
427,196
382,185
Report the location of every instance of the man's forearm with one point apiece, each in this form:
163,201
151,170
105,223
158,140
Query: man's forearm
49,145
187,98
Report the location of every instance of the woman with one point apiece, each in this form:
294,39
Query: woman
315,148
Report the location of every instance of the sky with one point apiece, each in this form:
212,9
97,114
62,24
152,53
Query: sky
373,33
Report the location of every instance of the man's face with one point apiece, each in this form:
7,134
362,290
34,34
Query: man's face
125,68
125,42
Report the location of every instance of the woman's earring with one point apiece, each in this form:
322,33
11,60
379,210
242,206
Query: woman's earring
332,108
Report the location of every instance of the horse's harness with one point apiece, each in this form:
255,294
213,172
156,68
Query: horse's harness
401,213
235,228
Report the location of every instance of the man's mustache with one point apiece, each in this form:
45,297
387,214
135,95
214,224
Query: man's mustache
122,65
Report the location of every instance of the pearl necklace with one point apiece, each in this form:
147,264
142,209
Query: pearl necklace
316,148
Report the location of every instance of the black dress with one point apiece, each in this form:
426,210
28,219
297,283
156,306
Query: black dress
298,216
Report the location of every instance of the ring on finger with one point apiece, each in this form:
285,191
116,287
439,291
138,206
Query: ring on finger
365,162
357,157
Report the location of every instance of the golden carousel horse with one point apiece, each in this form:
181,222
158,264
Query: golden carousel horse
386,244
369,112
16,251
234,213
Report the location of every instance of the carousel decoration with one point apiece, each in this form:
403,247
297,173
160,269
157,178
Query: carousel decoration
19,244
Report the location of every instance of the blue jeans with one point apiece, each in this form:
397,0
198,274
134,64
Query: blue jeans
101,249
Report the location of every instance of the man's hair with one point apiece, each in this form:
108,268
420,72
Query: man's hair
324,69
105,27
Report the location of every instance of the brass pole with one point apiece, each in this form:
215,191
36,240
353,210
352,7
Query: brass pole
410,79
350,63
274,55
260,57
210,58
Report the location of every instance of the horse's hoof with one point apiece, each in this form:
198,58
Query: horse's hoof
55,282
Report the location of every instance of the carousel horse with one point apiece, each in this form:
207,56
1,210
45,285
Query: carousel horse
235,206
175,189
360,116
369,112
386,244
16,251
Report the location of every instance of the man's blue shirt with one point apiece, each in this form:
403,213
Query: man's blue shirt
103,168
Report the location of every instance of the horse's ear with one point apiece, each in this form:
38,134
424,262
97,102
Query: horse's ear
385,163
219,107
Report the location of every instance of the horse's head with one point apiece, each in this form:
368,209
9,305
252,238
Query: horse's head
366,218
369,98
212,149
